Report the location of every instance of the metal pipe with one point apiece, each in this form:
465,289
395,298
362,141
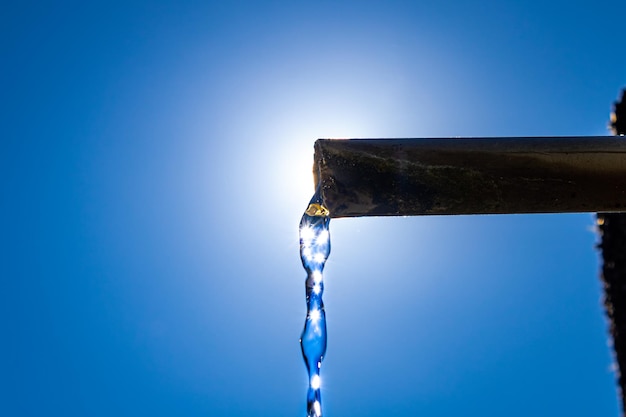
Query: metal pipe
407,177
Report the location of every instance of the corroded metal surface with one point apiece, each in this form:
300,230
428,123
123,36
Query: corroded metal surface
404,177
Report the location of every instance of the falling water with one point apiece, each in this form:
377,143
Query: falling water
314,250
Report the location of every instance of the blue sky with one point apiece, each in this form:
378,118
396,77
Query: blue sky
155,161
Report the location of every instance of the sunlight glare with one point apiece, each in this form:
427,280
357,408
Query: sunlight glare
318,408
315,315
307,234
316,382
319,257
322,238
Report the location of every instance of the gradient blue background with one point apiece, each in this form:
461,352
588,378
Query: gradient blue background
155,160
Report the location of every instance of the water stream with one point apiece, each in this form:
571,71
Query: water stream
314,250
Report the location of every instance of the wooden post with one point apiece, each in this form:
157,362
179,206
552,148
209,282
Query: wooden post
612,229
